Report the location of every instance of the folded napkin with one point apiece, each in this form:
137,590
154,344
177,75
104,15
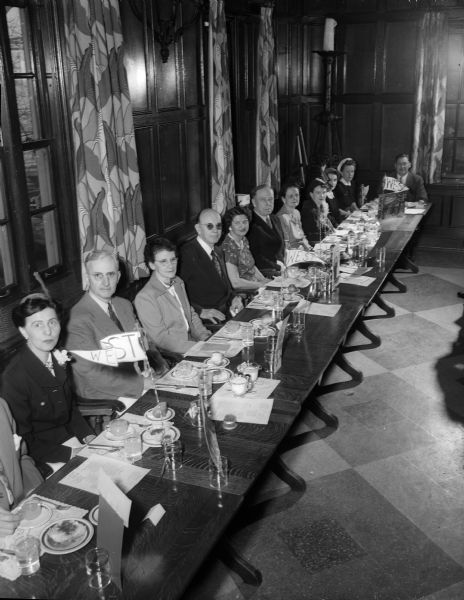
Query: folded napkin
205,349
320,310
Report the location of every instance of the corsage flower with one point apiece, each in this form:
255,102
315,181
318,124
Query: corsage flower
61,357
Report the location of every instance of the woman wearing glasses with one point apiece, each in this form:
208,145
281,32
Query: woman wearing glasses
37,387
162,305
240,264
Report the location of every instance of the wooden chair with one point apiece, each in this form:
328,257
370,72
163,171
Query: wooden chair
99,412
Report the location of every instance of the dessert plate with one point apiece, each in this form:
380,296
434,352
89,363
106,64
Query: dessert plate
66,535
93,515
153,437
224,363
119,438
220,375
178,374
170,413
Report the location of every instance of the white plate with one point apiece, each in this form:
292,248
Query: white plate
170,414
155,440
175,374
119,438
93,515
224,363
220,375
66,535
45,515
293,297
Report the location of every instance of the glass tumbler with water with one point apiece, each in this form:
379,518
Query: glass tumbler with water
97,566
27,553
247,333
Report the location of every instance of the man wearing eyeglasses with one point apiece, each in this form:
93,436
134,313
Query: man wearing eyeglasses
203,271
265,235
97,314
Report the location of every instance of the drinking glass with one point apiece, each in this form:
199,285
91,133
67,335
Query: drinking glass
27,553
97,566
298,324
247,333
218,474
205,382
380,254
173,455
278,306
133,447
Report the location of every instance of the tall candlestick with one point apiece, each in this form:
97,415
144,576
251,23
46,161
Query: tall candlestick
329,35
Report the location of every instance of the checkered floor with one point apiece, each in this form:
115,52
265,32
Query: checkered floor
383,513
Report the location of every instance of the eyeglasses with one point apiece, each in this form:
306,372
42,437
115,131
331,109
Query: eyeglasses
211,226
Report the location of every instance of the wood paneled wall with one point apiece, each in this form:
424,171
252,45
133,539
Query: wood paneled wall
170,117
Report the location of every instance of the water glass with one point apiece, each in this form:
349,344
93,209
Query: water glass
205,382
298,323
218,475
380,254
247,334
278,306
27,553
133,447
97,566
173,455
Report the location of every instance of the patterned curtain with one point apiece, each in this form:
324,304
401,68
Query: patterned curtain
267,122
430,101
222,155
107,178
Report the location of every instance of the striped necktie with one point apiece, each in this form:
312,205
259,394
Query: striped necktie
217,264
114,317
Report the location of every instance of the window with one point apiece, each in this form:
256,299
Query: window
453,144
33,167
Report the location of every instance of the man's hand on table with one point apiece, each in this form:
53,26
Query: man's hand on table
216,316
236,305
8,522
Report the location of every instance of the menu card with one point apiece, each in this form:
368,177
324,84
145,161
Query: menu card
86,476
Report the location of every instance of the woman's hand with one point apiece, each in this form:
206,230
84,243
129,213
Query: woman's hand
8,522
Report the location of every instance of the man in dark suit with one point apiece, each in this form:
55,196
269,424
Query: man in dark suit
96,315
203,271
414,183
265,235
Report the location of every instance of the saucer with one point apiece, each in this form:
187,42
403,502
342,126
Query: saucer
175,374
220,375
170,413
153,437
119,438
93,515
223,364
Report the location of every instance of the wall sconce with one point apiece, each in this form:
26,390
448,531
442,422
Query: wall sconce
167,25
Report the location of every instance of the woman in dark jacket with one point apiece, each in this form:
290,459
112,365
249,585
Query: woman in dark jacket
37,387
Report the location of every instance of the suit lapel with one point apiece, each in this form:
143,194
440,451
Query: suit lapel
38,371
100,319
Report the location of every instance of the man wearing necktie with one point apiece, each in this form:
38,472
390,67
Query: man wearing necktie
96,315
203,271
265,236
414,182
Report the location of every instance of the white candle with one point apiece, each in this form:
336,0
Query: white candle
329,35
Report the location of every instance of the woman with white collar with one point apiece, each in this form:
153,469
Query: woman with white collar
345,191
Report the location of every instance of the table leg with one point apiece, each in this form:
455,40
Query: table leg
388,310
345,365
407,264
366,332
235,561
401,288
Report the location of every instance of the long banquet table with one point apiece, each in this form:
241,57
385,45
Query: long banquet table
159,562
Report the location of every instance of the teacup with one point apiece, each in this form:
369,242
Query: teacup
30,510
252,370
118,427
239,385
217,358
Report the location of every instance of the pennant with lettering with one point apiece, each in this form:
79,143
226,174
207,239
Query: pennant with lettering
115,349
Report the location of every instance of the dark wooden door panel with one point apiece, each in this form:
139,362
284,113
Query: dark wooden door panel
397,129
400,57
